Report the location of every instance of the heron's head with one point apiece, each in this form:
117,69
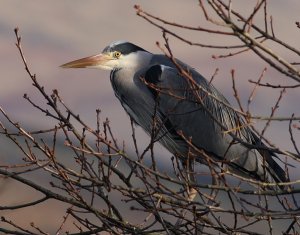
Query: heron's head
117,55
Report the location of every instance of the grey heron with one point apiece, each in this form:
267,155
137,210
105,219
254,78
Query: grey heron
191,113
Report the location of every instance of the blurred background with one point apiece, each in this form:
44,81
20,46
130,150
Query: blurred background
55,32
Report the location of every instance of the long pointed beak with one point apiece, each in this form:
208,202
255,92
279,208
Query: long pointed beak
95,61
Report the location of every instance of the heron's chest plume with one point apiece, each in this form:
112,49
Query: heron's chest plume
123,84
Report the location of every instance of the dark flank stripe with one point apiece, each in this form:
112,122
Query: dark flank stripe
152,76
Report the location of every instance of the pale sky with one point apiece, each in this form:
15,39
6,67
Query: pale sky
55,32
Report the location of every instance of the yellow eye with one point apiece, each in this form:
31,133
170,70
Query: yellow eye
117,54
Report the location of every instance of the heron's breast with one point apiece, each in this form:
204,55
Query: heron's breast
134,98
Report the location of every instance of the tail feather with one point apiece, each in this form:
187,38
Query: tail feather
273,168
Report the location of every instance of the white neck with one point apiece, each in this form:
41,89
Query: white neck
136,60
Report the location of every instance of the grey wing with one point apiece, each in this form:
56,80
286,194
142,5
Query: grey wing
195,108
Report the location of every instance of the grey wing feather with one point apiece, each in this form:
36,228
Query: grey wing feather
199,111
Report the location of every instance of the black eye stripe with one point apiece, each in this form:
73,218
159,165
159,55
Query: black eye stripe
125,48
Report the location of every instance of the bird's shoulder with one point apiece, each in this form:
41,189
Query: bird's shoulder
164,73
